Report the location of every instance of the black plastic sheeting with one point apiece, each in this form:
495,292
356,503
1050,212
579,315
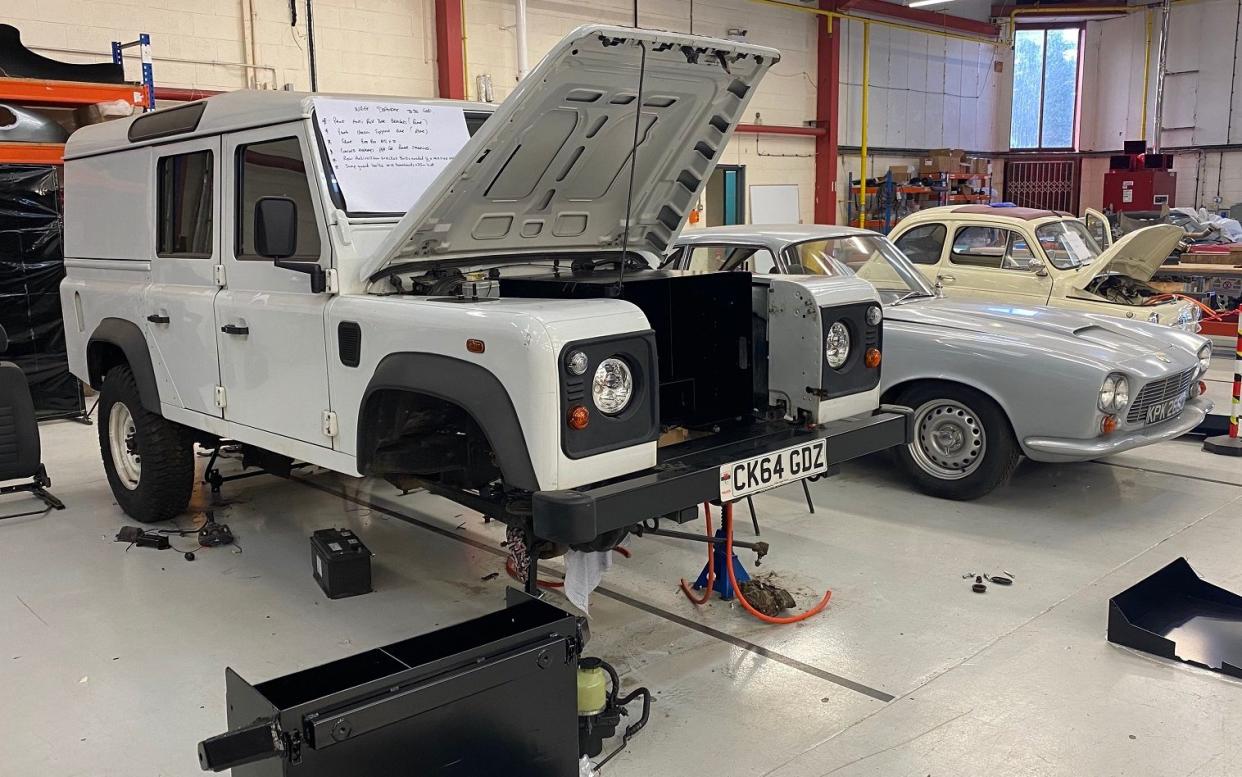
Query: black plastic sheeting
32,264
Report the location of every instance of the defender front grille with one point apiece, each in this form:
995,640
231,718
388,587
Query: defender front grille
1157,392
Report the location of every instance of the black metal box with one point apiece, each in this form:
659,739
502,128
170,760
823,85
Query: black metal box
703,329
495,695
340,562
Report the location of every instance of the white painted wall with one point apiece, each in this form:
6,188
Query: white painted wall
1204,75
926,92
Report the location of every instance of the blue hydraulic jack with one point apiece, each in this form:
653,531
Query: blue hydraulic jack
723,585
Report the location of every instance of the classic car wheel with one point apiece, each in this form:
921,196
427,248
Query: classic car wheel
963,445
149,461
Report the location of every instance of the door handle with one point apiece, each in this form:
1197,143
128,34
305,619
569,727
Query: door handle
156,318
233,329
947,278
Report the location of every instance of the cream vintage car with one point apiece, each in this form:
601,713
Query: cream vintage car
993,253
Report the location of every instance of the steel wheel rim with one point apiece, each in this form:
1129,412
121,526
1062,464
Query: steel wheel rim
949,439
123,446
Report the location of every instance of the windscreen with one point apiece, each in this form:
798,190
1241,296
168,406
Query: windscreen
871,257
1067,243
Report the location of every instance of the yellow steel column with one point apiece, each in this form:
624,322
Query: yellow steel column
866,75
1146,71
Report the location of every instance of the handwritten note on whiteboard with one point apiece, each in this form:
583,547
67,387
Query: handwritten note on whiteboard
385,155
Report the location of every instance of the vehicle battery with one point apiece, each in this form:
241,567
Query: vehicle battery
340,562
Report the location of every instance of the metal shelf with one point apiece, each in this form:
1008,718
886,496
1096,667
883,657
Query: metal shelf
41,92
32,153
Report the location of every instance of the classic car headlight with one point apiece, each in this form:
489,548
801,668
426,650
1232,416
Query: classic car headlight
874,315
837,345
1115,393
1205,358
1153,318
613,386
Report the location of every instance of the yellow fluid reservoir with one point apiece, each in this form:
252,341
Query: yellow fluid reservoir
592,691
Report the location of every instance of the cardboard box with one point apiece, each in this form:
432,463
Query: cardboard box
927,166
980,165
946,163
900,173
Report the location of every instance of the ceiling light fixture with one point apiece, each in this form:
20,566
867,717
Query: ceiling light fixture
921,3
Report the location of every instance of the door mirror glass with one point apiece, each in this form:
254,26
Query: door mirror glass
275,227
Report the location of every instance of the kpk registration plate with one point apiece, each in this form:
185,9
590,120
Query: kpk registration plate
789,465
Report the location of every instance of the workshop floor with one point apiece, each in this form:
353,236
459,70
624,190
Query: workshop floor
112,661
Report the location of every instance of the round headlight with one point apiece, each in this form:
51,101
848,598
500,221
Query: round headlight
837,345
874,315
1115,393
1205,358
1153,318
576,363
613,386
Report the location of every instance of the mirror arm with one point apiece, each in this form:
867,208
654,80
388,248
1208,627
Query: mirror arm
318,278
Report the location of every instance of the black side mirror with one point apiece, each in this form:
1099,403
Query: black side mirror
4,340
318,278
275,227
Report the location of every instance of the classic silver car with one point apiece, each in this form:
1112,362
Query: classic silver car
989,383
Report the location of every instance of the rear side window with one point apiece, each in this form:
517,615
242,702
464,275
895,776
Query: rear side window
709,258
184,217
923,245
274,168
992,247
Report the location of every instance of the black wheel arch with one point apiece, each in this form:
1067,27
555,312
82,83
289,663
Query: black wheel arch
473,388
117,341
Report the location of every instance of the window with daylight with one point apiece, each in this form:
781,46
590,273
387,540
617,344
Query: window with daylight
1045,88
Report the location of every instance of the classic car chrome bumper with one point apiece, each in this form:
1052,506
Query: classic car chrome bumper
1069,449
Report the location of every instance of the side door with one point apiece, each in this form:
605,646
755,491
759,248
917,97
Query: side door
990,263
269,324
179,302
1099,226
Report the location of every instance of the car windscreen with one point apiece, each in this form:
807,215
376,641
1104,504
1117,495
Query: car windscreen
871,257
1067,243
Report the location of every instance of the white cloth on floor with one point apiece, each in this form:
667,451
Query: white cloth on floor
583,573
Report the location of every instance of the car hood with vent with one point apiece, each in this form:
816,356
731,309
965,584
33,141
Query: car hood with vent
1137,255
1138,345
549,172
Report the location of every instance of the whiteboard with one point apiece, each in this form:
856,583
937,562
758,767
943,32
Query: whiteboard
774,204
385,155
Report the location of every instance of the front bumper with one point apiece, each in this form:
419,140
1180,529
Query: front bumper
688,474
1055,449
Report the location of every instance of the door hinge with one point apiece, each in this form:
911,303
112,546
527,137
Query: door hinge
219,274
329,423
221,401
331,285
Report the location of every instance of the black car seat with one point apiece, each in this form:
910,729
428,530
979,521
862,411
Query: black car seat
20,455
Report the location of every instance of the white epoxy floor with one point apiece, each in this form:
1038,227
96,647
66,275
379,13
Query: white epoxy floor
112,661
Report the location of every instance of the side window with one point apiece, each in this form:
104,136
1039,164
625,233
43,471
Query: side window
184,205
274,168
1019,255
980,247
1097,229
761,261
707,258
923,245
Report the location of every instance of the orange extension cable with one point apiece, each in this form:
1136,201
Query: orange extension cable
711,563
727,519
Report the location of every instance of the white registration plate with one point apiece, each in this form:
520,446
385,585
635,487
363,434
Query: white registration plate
1166,410
789,465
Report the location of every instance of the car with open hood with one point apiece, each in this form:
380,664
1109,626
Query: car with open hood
1028,256
457,297
989,382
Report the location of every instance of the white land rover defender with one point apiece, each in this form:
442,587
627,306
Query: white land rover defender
331,280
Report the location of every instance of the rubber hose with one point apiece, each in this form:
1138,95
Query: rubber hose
711,563
727,519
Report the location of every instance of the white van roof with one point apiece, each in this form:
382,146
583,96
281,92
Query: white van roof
228,112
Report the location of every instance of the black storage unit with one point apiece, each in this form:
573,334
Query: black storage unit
32,265
703,329
340,563
496,695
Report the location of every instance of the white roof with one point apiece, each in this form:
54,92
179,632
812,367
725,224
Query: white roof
789,233
242,109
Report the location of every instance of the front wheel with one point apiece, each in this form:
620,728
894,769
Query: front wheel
963,444
149,460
